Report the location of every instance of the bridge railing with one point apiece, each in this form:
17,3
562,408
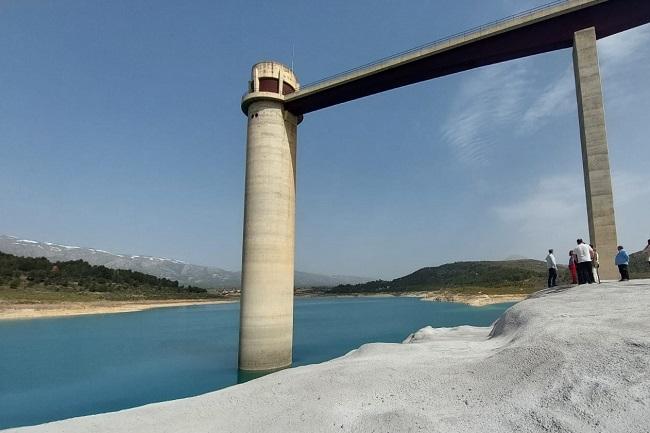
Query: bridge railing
472,31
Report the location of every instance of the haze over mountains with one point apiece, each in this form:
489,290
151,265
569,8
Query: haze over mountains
184,273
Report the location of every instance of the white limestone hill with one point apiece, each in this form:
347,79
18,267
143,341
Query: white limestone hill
566,360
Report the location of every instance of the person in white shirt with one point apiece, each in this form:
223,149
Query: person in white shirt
583,254
551,264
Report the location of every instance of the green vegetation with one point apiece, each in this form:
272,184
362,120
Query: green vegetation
492,278
495,277
25,279
38,279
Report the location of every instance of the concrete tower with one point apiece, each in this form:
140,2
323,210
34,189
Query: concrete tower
595,155
266,318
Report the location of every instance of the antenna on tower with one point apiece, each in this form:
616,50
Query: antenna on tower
293,54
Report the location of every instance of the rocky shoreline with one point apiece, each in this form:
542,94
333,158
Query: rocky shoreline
36,310
14,310
477,300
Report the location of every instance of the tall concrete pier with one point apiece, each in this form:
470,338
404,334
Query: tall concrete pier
266,320
274,104
595,155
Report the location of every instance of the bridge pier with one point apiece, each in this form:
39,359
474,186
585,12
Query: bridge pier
595,155
266,318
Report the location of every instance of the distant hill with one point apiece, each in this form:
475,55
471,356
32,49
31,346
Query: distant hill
184,273
639,266
19,275
526,274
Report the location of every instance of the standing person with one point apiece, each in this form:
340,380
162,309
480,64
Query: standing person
594,264
583,254
551,264
622,260
573,267
647,251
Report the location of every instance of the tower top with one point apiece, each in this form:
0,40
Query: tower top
269,80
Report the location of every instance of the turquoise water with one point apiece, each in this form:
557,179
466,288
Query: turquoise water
53,369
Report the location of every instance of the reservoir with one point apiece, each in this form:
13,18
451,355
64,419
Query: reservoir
52,369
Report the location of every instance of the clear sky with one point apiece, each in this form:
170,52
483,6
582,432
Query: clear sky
120,129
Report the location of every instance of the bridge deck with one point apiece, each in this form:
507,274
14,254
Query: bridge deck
544,30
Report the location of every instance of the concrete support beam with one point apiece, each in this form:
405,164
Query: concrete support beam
266,318
543,29
595,156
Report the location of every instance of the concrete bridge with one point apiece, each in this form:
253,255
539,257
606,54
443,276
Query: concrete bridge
275,104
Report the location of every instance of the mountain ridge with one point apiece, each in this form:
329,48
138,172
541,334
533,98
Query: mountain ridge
161,267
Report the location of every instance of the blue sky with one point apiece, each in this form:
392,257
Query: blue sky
120,129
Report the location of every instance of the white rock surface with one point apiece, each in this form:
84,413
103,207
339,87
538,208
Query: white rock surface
568,360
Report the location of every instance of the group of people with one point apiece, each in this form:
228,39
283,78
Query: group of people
583,264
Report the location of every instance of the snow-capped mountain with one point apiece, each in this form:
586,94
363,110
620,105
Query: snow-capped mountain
184,273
